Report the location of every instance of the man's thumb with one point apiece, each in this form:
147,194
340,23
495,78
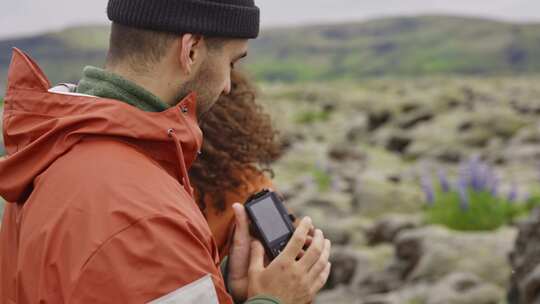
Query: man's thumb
240,215
257,256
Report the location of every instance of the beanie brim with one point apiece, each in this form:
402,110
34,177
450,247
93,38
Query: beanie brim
208,18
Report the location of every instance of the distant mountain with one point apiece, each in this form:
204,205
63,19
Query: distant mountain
407,46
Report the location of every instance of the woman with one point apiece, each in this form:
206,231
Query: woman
239,144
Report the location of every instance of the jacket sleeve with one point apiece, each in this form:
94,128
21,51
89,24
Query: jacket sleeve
156,258
261,299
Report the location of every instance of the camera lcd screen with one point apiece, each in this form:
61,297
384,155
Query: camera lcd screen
270,219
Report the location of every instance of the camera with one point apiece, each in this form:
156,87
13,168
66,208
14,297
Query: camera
270,221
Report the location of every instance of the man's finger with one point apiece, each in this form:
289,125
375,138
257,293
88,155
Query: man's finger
309,240
314,252
320,265
298,240
300,255
239,253
256,263
241,234
311,232
321,279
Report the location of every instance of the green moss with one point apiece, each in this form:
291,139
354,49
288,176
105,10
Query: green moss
272,70
322,179
309,117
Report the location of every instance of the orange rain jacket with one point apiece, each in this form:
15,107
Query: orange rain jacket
101,209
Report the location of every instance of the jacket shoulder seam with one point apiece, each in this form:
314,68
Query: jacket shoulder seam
109,239
112,236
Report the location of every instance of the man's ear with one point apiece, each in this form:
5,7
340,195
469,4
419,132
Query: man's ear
190,48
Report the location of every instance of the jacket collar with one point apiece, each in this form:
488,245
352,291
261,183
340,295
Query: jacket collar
40,126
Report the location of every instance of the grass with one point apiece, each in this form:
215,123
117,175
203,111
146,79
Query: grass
484,211
473,202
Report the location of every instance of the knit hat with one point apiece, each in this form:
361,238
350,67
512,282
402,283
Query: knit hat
214,18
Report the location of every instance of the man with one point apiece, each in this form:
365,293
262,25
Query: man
101,208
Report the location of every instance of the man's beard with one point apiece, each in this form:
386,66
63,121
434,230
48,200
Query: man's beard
201,84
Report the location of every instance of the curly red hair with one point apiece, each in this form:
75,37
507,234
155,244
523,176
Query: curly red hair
238,137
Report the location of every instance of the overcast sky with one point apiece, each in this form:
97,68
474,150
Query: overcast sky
24,17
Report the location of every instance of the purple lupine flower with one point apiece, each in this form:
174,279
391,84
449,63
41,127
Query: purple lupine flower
427,187
463,176
474,173
490,178
443,180
513,194
494,185
483,174
463,195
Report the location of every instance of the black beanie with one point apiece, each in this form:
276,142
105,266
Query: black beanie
214,18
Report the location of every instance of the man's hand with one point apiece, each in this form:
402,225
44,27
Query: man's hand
291,279
239,256
248,269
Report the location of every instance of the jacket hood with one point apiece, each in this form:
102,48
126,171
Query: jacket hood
39,126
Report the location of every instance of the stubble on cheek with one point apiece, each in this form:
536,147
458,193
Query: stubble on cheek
209,92
207,84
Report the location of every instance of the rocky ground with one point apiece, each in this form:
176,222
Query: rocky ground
354,155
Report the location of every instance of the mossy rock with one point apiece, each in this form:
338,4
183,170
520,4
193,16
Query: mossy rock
442,252
376,198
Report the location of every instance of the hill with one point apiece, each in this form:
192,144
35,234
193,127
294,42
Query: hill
398,47
403,46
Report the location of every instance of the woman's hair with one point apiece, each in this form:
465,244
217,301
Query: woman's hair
238,138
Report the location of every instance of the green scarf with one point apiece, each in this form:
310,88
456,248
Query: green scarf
100,83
